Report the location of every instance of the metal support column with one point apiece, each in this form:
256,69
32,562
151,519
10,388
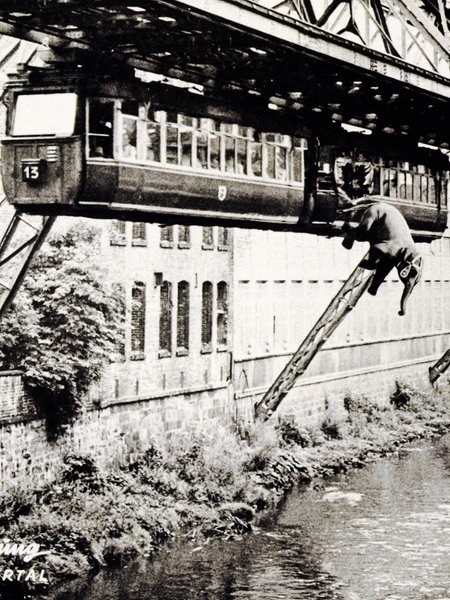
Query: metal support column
439,367
21,239
342,303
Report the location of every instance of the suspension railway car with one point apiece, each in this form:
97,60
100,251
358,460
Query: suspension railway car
139,152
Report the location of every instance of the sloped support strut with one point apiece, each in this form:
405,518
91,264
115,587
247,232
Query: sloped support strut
342,303
21,239
439,367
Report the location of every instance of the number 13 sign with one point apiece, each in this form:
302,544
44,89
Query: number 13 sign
32,170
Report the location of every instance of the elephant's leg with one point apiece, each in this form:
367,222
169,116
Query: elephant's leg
383,268
372,261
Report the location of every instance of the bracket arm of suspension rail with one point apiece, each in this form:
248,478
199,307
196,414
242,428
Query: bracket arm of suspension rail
439,367
31,246
340,305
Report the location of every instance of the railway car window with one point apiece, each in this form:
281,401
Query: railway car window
298,159
417,184
241,159
390,180
214,151
45,114
153,131
402,192
270,161
186,135
255,151
130,111
432,190
100,132
424,188
376,188
172,141
445,190
204,137
229,144
408,181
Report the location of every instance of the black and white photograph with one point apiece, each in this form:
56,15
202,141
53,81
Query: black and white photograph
225,300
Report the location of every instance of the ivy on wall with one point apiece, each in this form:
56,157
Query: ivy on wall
65,325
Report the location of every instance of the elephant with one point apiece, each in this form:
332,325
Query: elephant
391,245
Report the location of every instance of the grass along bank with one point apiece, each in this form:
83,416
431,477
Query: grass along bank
195,485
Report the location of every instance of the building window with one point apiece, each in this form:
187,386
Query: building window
166,240
138,236
222,314
119,292
223,241
165,320
117,233
138,320
207,238
183,318
207,316
184,236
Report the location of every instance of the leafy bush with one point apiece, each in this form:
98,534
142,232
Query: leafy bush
83,471
290,433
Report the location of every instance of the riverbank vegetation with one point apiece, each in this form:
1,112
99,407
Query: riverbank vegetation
198,485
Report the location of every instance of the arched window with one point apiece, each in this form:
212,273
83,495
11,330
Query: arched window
138,319
207,316
183,318
222,314
165,319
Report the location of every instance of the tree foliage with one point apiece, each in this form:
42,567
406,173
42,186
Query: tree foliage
65,325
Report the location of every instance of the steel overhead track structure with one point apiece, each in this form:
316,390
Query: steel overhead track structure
302,64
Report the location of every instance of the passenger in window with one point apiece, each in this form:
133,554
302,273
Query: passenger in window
100,129
343,173
241,165
229,161
281,165
98,152
362,182
201,161
215,164
186,156
128,149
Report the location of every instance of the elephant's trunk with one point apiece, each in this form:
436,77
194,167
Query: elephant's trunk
404,299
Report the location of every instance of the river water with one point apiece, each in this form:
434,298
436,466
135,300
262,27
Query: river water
379,533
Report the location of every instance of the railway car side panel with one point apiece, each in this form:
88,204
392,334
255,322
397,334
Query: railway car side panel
42,171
